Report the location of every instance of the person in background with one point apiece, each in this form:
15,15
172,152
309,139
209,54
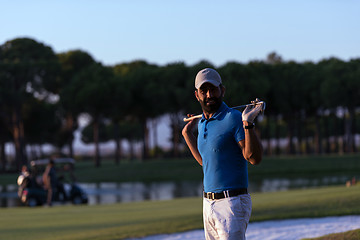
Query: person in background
50,181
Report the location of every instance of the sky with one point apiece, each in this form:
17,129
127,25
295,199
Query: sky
169,31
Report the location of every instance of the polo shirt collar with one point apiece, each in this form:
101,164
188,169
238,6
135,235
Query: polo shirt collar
216,115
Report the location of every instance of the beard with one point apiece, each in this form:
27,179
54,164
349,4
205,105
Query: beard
211,105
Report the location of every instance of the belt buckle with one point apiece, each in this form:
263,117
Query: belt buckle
211,195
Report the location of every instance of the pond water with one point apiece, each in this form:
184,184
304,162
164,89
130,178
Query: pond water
108,193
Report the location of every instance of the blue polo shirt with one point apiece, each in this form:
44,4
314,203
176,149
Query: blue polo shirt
224,166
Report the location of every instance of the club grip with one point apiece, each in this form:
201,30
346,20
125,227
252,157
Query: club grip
192,118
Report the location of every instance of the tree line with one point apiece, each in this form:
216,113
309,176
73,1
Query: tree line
314,106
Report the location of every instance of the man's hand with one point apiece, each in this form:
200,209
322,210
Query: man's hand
252,111
190,126
190,139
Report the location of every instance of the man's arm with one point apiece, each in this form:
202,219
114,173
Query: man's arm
191,140
251,146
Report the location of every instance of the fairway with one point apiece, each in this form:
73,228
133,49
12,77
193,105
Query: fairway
119,221
100,222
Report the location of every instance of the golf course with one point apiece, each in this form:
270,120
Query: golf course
137,219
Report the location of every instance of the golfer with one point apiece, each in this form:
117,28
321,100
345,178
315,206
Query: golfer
225,143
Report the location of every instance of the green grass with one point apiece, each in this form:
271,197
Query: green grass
315,202
101,222
119,221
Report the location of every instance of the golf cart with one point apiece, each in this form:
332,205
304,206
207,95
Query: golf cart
31,189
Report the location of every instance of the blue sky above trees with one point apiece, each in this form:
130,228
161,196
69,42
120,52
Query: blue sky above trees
163,32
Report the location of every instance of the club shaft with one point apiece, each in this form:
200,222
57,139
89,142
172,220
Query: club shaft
237,107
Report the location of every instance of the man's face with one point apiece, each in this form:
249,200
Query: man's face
210,97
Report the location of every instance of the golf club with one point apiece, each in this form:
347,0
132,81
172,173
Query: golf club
262,103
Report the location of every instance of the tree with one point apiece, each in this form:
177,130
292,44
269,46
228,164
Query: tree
340,87
174,77
93,88
353,100
235,77
5,136
130,129
310,104
147,91
87,133
5,122
28,67
41,123
72,63
122,100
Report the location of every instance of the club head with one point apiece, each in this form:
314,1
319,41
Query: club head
263,106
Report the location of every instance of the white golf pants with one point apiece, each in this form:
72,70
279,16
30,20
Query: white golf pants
227,218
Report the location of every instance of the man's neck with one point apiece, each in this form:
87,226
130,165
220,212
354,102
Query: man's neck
208,115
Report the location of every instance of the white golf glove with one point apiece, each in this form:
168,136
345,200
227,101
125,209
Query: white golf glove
252,111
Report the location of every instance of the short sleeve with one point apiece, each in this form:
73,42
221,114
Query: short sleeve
239,133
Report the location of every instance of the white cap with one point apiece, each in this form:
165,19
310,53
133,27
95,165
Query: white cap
207,75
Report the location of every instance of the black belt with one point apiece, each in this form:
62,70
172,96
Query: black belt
225,194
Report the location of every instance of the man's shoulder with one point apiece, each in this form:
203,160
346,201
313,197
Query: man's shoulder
230,112
234,114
